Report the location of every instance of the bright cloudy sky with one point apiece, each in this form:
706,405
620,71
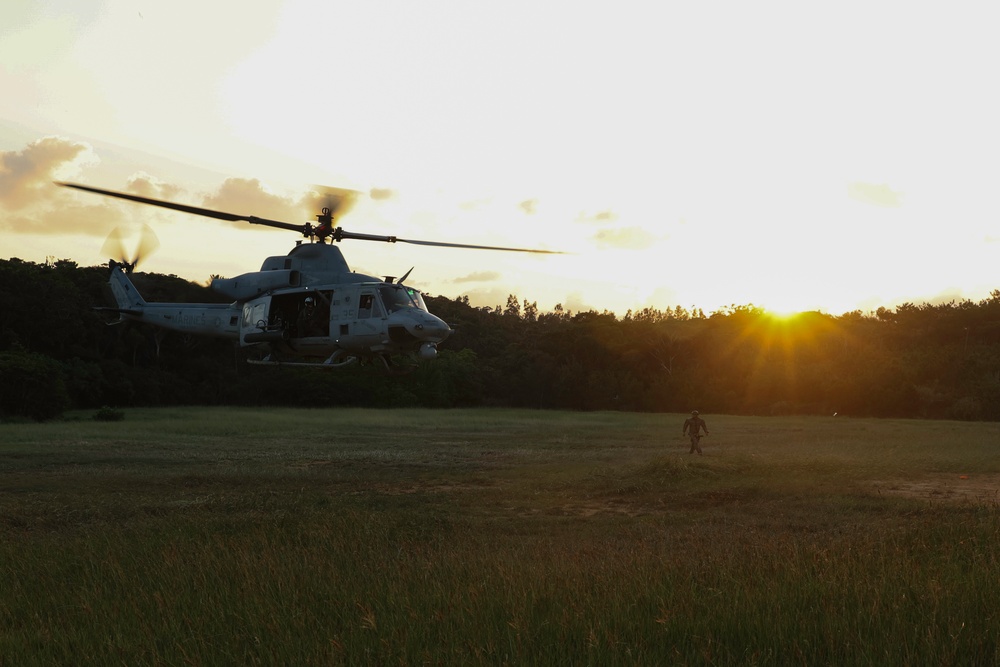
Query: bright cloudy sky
829,156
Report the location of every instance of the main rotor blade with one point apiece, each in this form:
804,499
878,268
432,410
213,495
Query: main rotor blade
344,234
307,229
220,215
481,247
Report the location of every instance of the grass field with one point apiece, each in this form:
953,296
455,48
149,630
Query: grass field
323,537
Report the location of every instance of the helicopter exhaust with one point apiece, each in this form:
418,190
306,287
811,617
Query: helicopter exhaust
250,285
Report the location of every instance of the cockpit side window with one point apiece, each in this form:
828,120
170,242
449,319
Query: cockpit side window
417,298
398,297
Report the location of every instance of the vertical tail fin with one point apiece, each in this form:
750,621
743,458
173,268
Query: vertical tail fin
126,295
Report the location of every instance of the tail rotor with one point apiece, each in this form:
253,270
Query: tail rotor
115,246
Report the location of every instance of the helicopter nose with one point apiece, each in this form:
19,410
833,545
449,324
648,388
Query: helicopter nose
431,328
422,326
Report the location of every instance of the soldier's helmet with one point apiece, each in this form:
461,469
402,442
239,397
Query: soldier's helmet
694,413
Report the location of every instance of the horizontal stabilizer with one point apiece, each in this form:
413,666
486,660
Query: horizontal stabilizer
120,311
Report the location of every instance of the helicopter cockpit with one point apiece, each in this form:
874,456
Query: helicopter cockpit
399,297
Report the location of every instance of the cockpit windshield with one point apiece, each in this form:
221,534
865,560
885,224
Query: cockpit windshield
398,297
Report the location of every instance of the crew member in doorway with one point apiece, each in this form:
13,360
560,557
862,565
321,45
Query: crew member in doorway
310,321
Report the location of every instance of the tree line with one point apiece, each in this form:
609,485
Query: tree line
917,360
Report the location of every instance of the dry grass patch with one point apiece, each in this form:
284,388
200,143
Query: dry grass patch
975,489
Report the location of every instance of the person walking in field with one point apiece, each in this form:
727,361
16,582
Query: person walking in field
694,426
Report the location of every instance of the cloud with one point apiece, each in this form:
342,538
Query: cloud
626,238
575,303
33,204
876,195
487,298
248,196
62,215
145,185
26,176
622,238
381,194
479,277
529,206
599,217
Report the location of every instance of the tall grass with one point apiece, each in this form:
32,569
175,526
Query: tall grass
202,536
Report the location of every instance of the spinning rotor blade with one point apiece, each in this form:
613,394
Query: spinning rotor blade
344,234
114,245
481,247
220,215
147,243
336,201
339,200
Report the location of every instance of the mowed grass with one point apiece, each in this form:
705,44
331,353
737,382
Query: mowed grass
333,536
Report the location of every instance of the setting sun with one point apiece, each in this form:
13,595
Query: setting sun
783,314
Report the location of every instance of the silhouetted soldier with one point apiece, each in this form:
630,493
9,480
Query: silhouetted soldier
693,427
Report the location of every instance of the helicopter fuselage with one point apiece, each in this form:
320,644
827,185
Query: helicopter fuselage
333,323
359,317
305,308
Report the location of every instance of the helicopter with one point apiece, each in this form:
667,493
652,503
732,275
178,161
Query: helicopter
306,308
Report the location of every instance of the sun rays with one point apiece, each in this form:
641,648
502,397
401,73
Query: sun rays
777,356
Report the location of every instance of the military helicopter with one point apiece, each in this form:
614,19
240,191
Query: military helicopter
306,308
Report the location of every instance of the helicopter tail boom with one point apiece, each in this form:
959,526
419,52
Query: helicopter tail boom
210,319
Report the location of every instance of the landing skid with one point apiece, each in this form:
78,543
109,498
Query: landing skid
334,361
338,360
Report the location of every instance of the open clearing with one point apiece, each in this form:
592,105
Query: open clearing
947,487
315,537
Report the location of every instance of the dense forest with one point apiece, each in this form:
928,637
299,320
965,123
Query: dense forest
933,361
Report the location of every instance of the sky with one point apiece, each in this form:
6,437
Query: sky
795,156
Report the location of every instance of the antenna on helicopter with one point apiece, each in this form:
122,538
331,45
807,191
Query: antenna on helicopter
392,279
